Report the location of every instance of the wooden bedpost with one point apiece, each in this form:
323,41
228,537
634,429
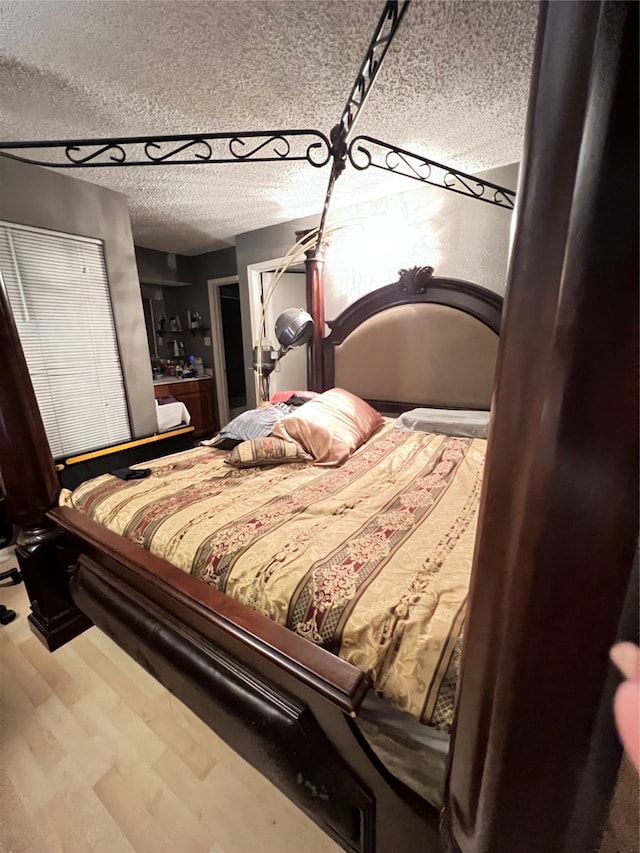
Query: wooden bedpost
559,514
31,487
314,267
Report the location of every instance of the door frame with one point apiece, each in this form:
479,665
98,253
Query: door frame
217,344
254,278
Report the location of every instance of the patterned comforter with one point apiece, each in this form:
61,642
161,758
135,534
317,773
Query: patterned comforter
370,560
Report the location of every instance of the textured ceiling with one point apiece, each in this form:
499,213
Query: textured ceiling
453,86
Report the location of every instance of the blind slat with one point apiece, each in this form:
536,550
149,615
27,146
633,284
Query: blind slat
59,294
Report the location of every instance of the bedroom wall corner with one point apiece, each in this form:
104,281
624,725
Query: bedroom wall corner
41,198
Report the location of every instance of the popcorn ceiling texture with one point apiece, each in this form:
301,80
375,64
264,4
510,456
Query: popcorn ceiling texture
454,87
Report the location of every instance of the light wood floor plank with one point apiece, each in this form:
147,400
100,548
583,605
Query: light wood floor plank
18,830
119,680
213,807
88,753
87,817
68,689
128,811
15,705
60,827
199,760
97,757
45,748
24,673
104,711
26,776
172,811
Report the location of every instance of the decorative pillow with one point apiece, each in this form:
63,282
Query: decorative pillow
467,423
256,423
266,451
330,427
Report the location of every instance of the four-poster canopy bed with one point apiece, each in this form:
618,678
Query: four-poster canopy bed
533,759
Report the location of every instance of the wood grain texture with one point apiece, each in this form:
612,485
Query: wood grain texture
314,271
96,756
558,519
217,616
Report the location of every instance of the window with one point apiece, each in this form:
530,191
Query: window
59,295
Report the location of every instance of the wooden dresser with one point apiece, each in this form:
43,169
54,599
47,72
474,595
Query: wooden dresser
198,395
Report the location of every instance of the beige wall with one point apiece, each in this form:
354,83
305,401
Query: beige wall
460,237
31,195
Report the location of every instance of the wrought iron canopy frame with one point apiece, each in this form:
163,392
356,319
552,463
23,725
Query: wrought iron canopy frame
276,146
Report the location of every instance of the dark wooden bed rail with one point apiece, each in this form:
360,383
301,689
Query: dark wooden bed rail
280,702
217,616
557,530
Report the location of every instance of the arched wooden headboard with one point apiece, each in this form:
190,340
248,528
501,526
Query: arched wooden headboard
420,341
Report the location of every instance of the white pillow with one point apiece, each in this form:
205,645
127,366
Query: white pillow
461,422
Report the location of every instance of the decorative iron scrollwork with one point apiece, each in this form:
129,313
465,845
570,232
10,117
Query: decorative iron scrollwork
277,146
415,280
269,146
158,154
366,152
389,22
241,154
114,152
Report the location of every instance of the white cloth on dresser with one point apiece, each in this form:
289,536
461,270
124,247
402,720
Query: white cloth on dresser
172,415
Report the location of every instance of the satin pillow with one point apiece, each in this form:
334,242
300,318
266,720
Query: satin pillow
331,426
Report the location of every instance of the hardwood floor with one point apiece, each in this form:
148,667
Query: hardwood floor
96,756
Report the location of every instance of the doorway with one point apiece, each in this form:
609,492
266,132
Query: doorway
228,354
290,292
231,318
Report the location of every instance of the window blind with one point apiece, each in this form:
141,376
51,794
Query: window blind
59,294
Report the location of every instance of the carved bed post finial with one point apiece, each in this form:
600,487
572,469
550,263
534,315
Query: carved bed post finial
416,279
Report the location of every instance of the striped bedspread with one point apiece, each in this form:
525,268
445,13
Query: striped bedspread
370,560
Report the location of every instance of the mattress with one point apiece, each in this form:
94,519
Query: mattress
370,560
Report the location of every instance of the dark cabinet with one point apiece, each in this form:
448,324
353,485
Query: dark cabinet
198,395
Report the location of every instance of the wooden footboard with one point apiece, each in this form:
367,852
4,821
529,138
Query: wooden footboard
282,703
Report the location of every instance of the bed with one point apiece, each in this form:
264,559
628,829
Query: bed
334,555
350,580
557,524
